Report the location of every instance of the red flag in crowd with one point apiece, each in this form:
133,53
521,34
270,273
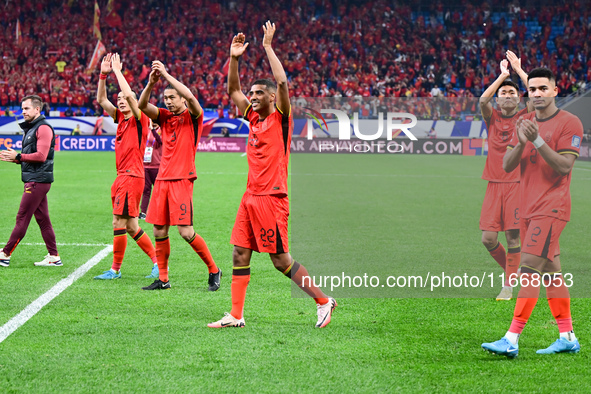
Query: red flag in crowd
226,67
145,72
96,28
112,17
99,52
110,7
207,126
18,32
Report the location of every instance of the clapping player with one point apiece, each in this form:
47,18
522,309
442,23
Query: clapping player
546,145
500,208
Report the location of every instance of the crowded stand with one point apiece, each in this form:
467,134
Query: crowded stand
377,49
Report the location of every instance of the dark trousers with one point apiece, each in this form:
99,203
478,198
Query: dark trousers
150,175
34,202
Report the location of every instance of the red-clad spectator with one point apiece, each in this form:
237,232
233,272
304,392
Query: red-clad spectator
371,48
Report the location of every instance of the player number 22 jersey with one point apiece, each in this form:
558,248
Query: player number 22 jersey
269,141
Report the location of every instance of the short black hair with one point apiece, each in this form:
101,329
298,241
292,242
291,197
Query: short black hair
35,100
542,72
508,82
270,85
170,87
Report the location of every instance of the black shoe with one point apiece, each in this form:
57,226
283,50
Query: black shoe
158,285
142,216
214,280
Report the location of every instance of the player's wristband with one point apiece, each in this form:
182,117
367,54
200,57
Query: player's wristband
103,76
538,142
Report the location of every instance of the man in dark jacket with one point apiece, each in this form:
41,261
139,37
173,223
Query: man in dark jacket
36,160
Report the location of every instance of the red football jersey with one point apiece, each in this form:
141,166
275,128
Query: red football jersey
544,192
180,137
500,131
130,143
267,151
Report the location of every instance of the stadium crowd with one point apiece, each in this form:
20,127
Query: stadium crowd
329,49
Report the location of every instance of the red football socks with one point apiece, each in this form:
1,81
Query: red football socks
198,244
498,253
119,246
526,302
513,260
162,255
559,302
143,241
240,279
523,310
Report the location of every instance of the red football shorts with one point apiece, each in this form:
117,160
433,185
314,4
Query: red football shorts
261,224
540,236
500,209
171,203
126,194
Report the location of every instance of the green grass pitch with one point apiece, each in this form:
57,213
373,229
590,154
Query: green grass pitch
420,211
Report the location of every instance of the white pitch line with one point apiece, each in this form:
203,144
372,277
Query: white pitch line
34,307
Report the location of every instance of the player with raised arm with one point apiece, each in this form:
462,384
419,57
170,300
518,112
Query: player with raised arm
172,199
546,145
516,66
500,208
261,221
126,192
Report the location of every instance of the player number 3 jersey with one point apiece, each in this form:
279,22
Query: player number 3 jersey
180,137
